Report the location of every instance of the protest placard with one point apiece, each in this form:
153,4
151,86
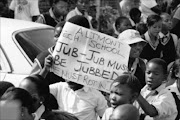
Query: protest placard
89,57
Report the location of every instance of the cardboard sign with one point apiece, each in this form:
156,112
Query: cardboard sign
89,57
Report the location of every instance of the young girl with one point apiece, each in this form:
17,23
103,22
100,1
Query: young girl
154,48
122,24
124,90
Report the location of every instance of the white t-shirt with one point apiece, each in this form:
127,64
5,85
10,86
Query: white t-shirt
26,10
85,103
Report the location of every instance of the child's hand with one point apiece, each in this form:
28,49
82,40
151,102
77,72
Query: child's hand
48,62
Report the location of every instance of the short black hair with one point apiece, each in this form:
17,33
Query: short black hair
133,12
119,21
42,88
160,62
21,95
130,80
80,20
51,2
152,19
4,85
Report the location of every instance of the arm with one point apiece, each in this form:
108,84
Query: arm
47,65
147,108
101,105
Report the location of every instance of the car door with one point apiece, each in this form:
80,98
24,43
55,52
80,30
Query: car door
6,72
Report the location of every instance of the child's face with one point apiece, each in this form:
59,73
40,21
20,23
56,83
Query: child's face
57,33
136,49
154,75
155,29
137,18
126,24
120,94
82,5
167,22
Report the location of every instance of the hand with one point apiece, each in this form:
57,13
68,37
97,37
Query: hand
48,62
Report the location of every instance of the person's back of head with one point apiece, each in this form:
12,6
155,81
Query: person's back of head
80,20
125,112
142,28
20,95
61,115
4,85
135,15
36,84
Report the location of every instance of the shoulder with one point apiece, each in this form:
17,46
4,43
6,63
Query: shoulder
175,39
107,113
59,85
142,63
70,14
95,93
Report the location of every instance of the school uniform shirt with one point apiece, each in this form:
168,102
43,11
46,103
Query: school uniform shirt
25,11
169,49
151,51
107,113
162,100
173,88
37,115
85,103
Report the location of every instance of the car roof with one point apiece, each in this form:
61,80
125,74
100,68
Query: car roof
20,24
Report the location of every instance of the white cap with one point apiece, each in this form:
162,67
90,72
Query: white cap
130,36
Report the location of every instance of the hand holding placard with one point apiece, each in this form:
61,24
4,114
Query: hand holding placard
88,57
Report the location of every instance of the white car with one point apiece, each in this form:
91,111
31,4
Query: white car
20,42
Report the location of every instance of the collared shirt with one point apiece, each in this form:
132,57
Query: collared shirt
163,101
173,88
39,112
153,46
164,38
107,113
84,103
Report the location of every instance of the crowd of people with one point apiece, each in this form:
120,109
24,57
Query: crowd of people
148,90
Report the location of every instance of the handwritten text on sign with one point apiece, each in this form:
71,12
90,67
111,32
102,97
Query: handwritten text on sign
89,57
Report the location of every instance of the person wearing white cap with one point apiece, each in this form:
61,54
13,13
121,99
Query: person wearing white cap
136,65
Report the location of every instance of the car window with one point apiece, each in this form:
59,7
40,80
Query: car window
35,41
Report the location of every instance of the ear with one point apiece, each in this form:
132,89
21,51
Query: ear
42,100
23,111
134,97
118,27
